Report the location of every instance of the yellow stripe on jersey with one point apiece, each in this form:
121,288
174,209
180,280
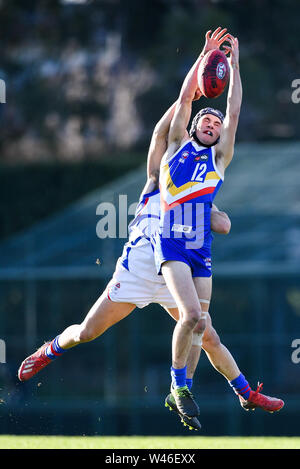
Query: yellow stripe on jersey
174,190
212,175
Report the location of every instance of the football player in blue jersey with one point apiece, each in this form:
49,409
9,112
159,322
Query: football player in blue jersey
138,286
191,173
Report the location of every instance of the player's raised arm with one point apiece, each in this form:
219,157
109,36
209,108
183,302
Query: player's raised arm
225,147
158,144
183,108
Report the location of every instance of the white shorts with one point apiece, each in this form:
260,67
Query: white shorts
126,287
140,285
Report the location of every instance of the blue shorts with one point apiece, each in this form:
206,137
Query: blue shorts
171,249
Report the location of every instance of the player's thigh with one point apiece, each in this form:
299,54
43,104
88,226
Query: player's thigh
179,280
104,314
203,286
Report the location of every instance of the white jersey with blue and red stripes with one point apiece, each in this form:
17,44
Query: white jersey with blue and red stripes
137,256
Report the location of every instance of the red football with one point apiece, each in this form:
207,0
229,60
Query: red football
213,73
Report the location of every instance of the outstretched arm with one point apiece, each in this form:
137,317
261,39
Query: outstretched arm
158,144
183,108
190,91
225,147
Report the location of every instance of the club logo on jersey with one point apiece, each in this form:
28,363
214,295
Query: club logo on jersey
114,288
183,157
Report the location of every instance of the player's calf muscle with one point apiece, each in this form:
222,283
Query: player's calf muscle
87,334
79,334
101,317
72,336
210,340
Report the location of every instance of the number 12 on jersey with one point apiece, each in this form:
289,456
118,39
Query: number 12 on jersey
200,169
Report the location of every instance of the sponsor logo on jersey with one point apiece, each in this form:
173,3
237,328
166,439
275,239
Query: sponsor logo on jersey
201,157
181,228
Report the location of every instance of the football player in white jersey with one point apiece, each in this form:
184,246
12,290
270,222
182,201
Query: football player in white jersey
135,283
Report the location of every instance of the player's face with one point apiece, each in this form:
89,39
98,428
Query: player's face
208,129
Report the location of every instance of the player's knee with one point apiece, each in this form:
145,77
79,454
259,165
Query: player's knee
211,339
193,319
200,326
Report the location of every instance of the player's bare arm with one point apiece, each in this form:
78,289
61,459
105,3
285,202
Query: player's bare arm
190,85
225,147
189,92
158,144
220,222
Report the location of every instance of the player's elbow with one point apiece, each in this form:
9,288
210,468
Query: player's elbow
225,224
220,223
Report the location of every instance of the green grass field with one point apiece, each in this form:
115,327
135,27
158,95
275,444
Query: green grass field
146,442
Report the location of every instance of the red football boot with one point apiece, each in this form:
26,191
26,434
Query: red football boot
256,399
34,363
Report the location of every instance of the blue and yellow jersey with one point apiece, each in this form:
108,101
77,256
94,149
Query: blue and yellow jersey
189,174
189,181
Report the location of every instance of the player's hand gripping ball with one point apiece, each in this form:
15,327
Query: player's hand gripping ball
213,73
